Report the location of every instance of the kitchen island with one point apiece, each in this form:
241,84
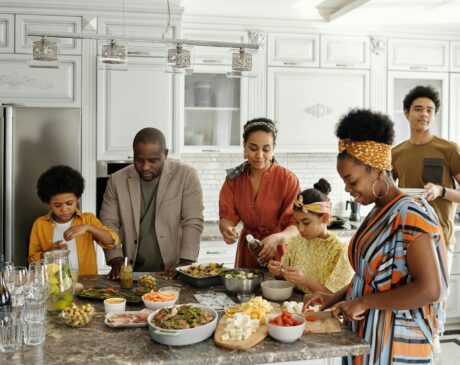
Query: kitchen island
98,344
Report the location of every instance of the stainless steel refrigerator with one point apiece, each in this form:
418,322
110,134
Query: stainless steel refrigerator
32,140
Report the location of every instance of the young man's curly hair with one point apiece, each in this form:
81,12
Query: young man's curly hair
59,180
422,92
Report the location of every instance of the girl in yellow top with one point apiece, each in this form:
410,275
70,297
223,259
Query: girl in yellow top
65,227
316,260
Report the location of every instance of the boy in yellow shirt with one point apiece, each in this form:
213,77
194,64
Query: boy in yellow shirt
65,227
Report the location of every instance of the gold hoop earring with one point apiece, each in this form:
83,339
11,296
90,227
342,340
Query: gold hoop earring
386,192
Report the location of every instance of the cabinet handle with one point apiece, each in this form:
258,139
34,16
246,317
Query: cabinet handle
344,65
419,68
214,252
293,63
212,61
211,150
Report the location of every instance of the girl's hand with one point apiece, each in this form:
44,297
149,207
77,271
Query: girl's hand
270,246
230,235
75,231
326,300
58,245
351,310
295,275
274,267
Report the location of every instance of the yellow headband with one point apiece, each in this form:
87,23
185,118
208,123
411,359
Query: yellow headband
371,153
317,207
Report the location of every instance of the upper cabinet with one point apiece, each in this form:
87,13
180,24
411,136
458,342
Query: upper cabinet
297,50
345,52
307,103
455,56
418,55
6,33
48,23
213,55
129,101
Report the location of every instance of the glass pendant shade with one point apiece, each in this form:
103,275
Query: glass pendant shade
114,56
179,60
241,61
44,54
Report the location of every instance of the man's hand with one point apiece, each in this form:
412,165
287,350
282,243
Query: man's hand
115,263
170,270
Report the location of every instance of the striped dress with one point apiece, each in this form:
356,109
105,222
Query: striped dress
377,254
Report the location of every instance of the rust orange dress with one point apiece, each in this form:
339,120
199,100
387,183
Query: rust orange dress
271,212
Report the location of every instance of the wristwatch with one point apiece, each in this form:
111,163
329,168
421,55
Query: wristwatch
443,194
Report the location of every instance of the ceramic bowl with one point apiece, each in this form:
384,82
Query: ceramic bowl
158,305
286,333
276,290
114,305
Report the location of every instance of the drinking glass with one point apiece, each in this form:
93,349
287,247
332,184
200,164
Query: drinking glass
7,266
34,318
10,329
15,281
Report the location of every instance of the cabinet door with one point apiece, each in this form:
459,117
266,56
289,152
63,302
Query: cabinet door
213,55
129,101
135,28
418,55
6,33
293,50
454,128
345,52
400,83
47,23
307,105
453,300
40,86
455,56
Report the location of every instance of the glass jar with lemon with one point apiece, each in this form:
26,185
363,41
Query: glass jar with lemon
61,284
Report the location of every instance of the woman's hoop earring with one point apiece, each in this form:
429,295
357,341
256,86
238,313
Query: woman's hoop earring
386,192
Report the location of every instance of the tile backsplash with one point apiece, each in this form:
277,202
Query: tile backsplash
309,168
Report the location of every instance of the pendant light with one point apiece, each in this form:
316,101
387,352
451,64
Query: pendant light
44,53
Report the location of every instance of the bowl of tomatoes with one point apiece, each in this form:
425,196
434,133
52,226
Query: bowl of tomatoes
285,327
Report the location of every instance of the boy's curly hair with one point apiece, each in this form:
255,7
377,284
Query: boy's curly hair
59,180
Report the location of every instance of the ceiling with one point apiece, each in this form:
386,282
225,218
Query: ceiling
437,15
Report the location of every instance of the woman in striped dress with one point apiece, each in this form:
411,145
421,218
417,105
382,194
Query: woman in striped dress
396,298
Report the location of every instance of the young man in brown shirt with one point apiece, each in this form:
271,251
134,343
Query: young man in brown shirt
429,162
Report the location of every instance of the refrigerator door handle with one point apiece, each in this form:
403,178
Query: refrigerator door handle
8,191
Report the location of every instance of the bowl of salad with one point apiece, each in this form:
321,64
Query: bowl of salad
182,325
242,280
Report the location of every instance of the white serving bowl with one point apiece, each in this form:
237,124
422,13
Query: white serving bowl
183,337
158,305
114,305
288,333
276,290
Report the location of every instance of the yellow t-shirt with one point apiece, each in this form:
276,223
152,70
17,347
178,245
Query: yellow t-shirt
325,260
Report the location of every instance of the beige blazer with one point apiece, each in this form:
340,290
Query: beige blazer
178,211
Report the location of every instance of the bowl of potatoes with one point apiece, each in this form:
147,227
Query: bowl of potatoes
77,315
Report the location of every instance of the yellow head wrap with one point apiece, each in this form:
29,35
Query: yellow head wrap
317,207
371,153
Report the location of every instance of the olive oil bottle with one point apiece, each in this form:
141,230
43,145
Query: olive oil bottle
255,246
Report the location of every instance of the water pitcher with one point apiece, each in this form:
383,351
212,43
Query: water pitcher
60,279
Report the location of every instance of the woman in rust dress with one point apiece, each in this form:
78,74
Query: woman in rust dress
260,193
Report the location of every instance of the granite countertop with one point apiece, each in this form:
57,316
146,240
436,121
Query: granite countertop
97,343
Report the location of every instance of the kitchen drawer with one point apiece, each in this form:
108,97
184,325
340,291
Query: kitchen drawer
6,33
293,50
345,52
47,23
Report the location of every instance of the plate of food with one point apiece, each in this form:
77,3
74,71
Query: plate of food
201,275
127,319
102,293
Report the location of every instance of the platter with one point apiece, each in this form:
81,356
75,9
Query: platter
127,319
196,281
100,293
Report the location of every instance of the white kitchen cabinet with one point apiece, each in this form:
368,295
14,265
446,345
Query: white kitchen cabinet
294,50
40,86
6,33
418,55
454,111
453,300
400,83
129,101
213,55
307,104
217,251
47,23
345,52
214,109
135,28
455,56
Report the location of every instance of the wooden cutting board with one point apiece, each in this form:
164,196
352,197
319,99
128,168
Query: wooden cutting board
243,345
324,324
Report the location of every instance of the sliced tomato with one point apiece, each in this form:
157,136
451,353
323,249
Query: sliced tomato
311,318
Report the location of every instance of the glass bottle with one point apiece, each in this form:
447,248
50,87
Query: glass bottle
61,284
255,246
126,276
5,297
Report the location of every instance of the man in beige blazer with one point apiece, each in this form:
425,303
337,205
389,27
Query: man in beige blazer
156,206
